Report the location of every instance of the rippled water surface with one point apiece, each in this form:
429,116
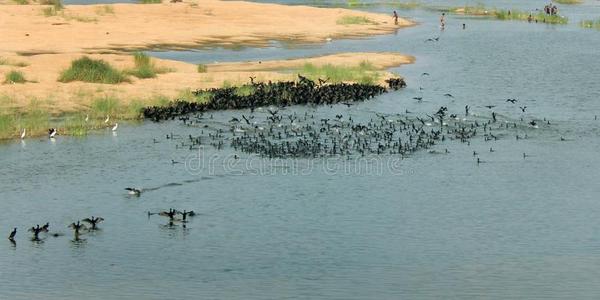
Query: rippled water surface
426,227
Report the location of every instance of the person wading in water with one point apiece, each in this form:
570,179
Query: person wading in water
395,18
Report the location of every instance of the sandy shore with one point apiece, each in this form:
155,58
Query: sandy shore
101,28
57,97
42,44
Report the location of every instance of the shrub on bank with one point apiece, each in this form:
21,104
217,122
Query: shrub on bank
92,70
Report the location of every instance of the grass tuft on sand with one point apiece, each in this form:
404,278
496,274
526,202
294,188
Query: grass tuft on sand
568,2
365,73
355,20
202,68
92,70
14,76
144,67
590,24
505,14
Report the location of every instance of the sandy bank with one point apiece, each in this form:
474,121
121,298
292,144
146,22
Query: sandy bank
57,97
101,28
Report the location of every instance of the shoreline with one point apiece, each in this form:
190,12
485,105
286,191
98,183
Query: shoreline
36,45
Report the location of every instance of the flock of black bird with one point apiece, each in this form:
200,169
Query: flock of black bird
92,224
265,129
280,94
273,133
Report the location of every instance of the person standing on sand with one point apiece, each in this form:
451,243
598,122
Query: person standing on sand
395,18
443,21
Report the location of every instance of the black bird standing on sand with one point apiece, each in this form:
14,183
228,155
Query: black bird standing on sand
93,221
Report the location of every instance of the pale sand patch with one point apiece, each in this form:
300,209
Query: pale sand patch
86,28
57,97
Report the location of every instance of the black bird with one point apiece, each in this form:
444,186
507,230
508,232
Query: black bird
418,98
490,106
246,119
449,95
532,123
93,221
184,214
52,132
523,108
133,191
12,234
77,227
45,227
174,162
171,213
513,101
36,231
425,74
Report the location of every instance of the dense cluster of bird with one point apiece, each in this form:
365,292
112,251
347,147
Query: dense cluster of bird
285,93
272,133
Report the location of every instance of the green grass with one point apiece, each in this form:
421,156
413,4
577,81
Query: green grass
36,119
14,77
144,67
355,20
365,73
593,24
105,10
202,68
8,62
189,96
245,90
568,2
92,70
21,2
503,14
149,1
53,9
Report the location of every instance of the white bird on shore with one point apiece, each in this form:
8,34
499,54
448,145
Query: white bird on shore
87,118
107,119
51,132
23,133
115,127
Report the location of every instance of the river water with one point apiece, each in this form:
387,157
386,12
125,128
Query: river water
426,227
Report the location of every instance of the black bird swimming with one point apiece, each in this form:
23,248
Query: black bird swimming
513,101
425,74
12,234
77,226
174,162
490,106
133,191
184,214
449,95
93,221
171,213
532,123
523,108
36,231
418,98
45,227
